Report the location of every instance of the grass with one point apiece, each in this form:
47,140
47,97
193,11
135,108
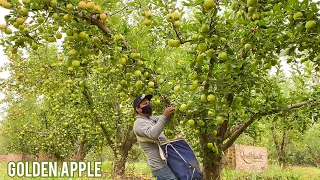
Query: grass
275,173
140,171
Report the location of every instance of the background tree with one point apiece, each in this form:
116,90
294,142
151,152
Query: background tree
227,50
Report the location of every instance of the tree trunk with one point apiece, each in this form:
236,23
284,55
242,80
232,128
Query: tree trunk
58,157
121,157
280,147
212,168
80,154
120,164
212,162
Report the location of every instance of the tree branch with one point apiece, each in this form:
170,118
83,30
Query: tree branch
237,133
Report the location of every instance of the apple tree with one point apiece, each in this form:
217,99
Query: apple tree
226,86
227,50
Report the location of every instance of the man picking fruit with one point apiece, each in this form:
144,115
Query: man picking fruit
151,127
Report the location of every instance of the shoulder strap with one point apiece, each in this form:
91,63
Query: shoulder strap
145,139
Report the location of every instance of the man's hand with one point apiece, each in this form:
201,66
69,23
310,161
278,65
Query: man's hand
168,111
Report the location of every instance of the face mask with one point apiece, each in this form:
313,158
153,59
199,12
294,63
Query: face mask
147,109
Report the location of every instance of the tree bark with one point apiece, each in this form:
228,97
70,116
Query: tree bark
281,148
212,163
119,165
121,157
81,151
212,168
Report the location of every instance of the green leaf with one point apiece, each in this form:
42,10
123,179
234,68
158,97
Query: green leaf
293,3
276,7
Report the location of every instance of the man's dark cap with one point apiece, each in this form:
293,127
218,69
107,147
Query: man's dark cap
139,98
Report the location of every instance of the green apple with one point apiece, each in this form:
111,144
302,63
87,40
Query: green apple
297,16
151,84
222,56
53,3
23,11
82,5
211,113
191,122
123,82
58,35
69,6
82,35
193,76
122,61
215,150
174,43
223,39
210,53
190,103
148,14
122,94
90,5
137,73
177,24
183,107
103,16
147,22
200,58
195,83
34,46
251,10
170,17
200,123
157,102
208,4
119,87
195,36
202,47
8,30
20,20
247,46
176,15
203,98
255,16
219,119
161,81
75,63
176,89
252,2
310,25
211,98
67,18
97,8
214,132
205,29
210,145
171,42
150,90
139,84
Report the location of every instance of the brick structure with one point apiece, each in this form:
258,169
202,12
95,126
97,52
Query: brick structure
23,157
247,158
11,157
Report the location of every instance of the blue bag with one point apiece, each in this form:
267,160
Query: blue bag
181,159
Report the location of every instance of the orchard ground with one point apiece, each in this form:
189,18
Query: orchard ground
140,171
